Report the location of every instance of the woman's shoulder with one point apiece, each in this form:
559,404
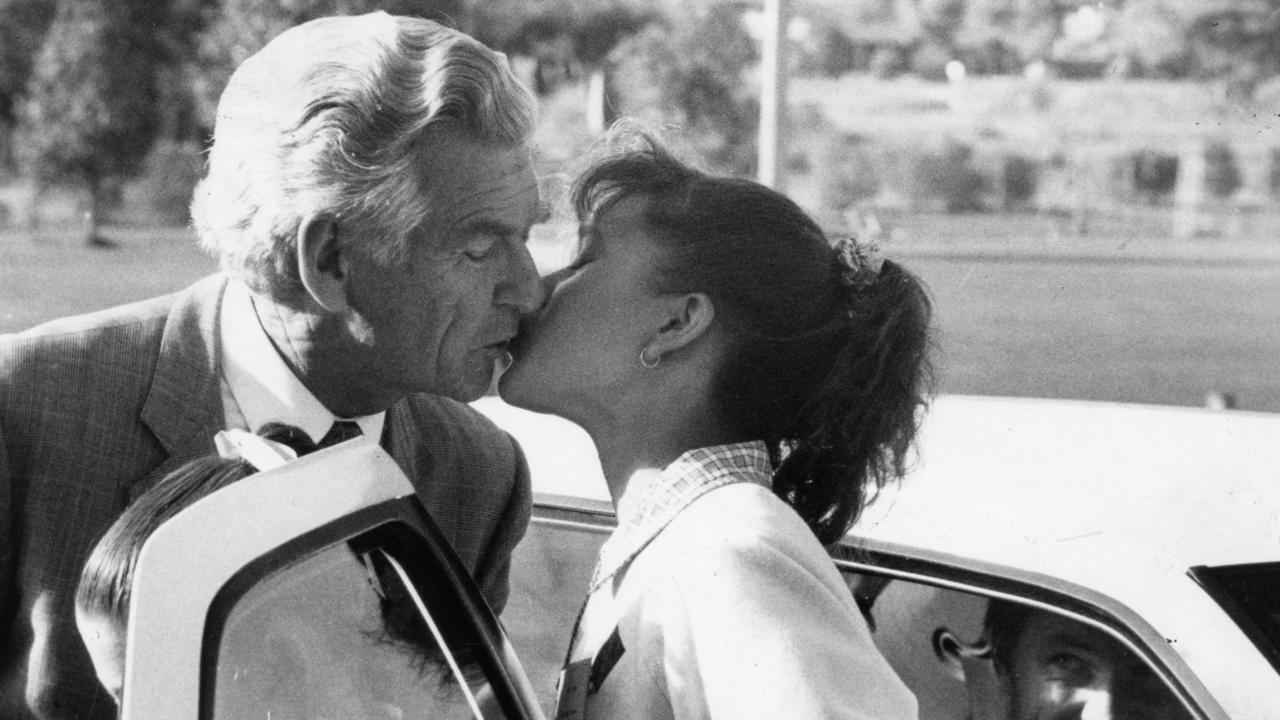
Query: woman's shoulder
739,533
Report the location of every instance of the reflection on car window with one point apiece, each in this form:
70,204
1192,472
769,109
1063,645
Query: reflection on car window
968,657
341,635
550,570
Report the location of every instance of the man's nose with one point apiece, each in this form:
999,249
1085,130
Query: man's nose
1093,704
523,289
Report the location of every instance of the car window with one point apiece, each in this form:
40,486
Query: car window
550,572
338,634
346,632
975,656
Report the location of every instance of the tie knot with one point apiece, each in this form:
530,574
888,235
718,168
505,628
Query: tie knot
341,431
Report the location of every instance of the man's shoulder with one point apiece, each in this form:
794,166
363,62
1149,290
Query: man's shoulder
455,422
73,350
69,333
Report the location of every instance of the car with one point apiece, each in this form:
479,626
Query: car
1156,526
1148,536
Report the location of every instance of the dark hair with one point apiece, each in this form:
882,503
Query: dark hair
831,374
107,577
1002,626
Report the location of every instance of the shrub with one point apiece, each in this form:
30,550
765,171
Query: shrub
163,191
949,177
1021,177
848,171
1221,174
1155,174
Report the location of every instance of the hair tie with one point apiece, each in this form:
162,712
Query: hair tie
861,260
261,453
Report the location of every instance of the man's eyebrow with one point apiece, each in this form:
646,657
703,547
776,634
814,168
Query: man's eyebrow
1072,640
490,226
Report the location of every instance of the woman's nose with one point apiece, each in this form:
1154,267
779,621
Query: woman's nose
524,289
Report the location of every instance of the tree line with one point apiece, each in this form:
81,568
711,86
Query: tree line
87,86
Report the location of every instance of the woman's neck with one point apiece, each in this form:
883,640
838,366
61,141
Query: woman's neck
633,451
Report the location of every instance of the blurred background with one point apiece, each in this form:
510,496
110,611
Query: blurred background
1090,189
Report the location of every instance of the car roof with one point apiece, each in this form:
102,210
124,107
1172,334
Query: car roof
1034,483
1083,489
1110,503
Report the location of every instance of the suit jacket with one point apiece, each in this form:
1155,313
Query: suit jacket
95,409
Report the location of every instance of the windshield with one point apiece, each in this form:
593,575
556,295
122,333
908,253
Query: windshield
1251,596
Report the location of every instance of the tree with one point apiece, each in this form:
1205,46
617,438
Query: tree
23,24
1238,45
675,75
239,28
90,115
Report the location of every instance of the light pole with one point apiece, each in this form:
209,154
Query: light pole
773,93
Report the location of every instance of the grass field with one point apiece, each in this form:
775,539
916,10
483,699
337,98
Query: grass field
1096,319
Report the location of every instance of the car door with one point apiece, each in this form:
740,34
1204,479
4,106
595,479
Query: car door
320,589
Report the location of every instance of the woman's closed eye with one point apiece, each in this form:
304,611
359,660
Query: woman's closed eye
579,262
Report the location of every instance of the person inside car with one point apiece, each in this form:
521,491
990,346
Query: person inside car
747,384
369,191
1033,664
103,594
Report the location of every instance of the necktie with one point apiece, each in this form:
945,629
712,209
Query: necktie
341,431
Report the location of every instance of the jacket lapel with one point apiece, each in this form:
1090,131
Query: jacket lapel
402,439
184,406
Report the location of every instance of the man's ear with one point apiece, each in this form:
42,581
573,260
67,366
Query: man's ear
973,665
688,318
320,262
951,652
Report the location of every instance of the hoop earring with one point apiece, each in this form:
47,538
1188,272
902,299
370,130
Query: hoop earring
646,364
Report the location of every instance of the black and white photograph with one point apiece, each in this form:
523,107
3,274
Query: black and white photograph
640,359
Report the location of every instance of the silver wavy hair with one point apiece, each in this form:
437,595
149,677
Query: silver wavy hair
326,118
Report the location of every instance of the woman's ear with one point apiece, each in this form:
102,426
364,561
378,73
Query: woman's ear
320,262
687,319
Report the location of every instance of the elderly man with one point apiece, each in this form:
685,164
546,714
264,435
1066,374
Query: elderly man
369,195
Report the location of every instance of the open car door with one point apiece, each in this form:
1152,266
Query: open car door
319,589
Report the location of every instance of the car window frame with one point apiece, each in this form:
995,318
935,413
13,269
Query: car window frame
865,555
406,517
314,502
1044,592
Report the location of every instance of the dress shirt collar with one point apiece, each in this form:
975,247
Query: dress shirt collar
262,385
648,506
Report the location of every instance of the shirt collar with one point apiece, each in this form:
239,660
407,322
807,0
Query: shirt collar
262,385
647,507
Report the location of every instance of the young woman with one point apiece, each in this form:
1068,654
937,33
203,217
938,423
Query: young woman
747,383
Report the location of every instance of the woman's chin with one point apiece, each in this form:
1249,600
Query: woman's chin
514,388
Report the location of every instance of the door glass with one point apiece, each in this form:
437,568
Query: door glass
550,571
343,634
969,657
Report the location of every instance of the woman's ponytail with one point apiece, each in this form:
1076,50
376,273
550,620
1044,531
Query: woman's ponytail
856,430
